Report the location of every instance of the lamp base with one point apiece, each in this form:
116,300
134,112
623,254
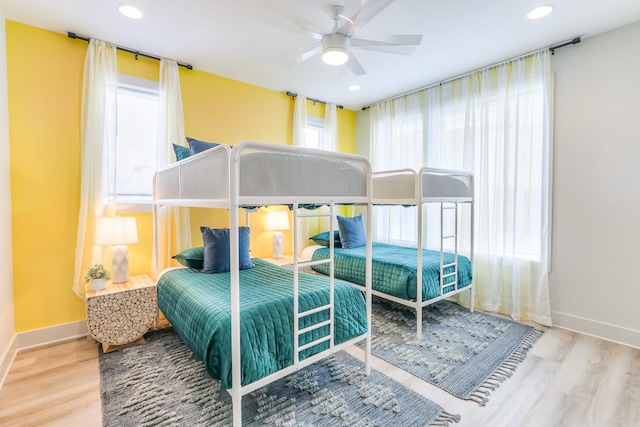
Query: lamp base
120,263
277,245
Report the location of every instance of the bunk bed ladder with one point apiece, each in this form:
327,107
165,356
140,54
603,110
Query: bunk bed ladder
452,266
298,315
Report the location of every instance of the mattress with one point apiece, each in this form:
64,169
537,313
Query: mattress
400,188
204,179
198,307
394,269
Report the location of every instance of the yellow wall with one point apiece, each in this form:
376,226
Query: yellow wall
45,88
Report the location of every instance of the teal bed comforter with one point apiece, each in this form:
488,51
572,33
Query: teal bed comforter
198,307
394,269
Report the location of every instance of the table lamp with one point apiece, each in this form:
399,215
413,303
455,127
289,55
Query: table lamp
276,221
119,232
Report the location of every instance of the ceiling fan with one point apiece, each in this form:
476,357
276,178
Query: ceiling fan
336,46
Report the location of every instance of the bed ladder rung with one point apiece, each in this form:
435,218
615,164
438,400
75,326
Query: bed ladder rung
314,310
453,264
444,276
313,343
451,236
310,263
314,327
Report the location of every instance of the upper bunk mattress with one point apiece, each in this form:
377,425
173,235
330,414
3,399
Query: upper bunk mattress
198,307
275,174
402,188
266,174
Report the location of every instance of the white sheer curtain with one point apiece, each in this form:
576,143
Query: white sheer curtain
299,120
172,221
98,126
299,123
330,131
398,141
495,123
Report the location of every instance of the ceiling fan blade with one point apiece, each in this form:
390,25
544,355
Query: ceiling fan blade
280,17
355,66
367,10
309,53
301,54
392,40
397,44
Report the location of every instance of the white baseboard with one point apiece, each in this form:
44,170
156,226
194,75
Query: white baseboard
39,338
52,334
605,331
7,360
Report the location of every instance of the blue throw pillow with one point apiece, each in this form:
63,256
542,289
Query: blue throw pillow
216,249
323,239
181,152
196,146
352,231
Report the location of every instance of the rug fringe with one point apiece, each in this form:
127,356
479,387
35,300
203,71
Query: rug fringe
505,370
444,419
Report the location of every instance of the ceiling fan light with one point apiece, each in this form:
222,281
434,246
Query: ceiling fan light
335,56
334,49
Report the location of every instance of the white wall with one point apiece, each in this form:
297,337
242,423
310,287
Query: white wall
7,329
595,278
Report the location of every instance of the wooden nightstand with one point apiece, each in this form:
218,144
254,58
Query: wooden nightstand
122,313
285,260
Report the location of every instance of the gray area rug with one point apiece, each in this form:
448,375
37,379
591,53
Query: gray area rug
161,383
466,354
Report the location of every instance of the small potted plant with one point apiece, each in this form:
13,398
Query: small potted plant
98,274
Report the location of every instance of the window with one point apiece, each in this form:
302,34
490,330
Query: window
134,154
313,132
498,134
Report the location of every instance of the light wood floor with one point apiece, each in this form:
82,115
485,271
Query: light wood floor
567,380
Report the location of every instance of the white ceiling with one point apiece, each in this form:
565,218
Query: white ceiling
253,40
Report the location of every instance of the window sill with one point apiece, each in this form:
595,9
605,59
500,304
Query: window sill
133,207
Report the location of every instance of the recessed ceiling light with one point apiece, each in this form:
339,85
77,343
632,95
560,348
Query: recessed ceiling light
539,11
130,11
354,87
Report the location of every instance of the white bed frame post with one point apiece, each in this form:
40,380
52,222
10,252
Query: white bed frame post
472,241
419,306
236,389
368,276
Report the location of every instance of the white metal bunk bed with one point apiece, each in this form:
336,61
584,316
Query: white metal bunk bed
448,188
253,174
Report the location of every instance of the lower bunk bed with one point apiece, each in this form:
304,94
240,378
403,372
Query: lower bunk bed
394,271
198,306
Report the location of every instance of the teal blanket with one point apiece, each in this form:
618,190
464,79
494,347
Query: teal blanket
198,307
394,269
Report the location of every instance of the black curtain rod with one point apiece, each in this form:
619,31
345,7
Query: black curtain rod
552,49
135,52
293,95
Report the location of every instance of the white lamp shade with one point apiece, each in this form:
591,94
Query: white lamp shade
116,230
277,220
